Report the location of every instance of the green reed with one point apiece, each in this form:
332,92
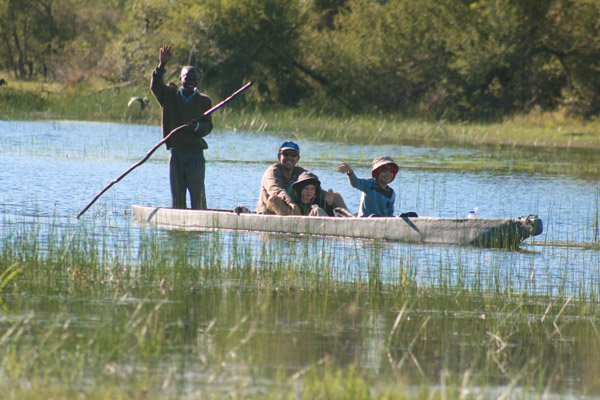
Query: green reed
596,219
528,131
203,314
554,131
29,101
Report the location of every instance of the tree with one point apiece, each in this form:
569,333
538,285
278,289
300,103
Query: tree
570,39
54,36
383,56
133,51
15,29
257,40
462,59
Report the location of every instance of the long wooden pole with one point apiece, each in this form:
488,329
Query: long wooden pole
152,150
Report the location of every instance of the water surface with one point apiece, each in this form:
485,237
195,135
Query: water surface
52,170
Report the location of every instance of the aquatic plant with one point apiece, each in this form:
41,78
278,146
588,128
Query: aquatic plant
270,316
7,275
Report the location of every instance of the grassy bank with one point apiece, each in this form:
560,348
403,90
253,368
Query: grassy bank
181,315
32,101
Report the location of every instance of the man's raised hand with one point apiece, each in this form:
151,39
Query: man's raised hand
164,56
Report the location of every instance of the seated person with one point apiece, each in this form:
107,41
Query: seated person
307,194
377,197
277,179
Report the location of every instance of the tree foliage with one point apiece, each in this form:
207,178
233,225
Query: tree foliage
259,40
458,59
55,39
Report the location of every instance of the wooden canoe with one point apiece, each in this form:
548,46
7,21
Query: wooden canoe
487,232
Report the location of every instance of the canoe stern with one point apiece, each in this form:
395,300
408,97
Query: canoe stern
510,233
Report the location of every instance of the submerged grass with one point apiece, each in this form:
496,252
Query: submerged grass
213,315
596,218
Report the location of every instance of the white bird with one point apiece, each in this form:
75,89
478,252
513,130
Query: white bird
143,102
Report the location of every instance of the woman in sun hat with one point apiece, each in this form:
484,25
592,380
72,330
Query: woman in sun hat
377,197
307,194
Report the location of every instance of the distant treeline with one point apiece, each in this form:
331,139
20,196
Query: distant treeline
453,59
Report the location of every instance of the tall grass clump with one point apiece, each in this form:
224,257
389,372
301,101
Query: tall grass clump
15,102
218,314
38,101
596,220
388,128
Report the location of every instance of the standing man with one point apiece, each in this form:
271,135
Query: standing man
277,180
183,109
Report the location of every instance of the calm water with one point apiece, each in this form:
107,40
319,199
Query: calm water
52,170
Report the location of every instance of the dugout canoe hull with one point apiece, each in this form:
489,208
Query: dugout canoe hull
487,232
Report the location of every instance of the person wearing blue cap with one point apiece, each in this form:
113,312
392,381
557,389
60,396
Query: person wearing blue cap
278,179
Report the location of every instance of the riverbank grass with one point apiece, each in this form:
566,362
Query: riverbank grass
102,102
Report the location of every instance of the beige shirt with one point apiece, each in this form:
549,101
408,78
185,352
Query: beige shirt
274,183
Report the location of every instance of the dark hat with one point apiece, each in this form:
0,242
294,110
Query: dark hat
305,178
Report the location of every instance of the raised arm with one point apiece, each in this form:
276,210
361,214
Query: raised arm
358,183
344,168
164,56
157,86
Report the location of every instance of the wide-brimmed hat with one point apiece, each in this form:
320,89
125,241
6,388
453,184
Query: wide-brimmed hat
305,178
289,146
380,162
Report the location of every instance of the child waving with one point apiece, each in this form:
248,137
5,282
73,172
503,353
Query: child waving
378,198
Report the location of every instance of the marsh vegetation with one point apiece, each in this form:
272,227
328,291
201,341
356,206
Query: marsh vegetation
187,315
546,137
101,307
